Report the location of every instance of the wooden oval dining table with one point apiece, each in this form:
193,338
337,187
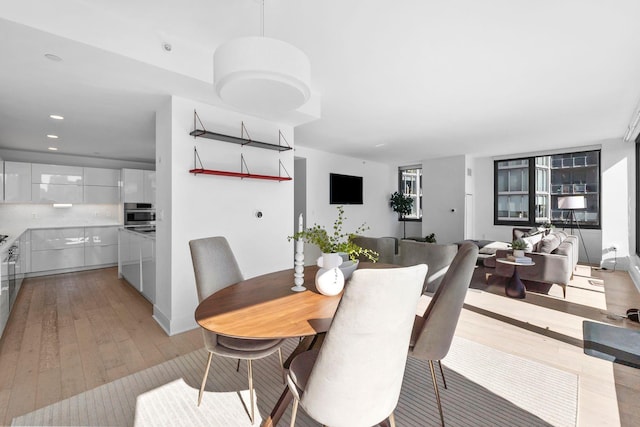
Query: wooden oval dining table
265,307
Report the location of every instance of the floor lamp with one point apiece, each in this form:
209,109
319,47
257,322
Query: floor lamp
572,203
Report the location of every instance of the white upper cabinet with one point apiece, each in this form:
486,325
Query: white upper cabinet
101,185
138,186
102,177
17,185
149,182
56,183
56,174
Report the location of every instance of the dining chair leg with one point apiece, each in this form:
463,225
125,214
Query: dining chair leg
294,412
284,381
392,420
435,388
444,381
204,379
250,375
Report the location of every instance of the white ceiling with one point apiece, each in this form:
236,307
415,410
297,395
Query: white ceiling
399,81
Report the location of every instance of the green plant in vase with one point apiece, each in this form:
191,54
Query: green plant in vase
403,205
338,241
518,246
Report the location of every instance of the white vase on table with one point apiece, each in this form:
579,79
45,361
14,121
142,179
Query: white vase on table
518,253
329,278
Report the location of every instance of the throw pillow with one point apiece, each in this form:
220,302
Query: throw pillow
533,242
549,243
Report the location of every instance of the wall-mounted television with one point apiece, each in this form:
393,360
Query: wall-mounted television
345,189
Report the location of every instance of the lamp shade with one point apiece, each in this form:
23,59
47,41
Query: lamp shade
261,74
572,202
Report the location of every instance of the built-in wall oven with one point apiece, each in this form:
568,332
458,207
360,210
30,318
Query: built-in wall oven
139,214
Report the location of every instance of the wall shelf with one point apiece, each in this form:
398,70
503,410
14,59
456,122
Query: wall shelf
242,140
236,140
244,170
239,174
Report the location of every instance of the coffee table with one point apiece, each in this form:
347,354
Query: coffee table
515,288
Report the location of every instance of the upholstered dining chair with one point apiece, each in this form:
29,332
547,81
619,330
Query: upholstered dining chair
215,268
355,378
432,333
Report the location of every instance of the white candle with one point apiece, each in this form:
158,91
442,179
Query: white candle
300,223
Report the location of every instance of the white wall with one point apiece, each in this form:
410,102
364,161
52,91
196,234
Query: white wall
199,206
618,204
379,181
443,195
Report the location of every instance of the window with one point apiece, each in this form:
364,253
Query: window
410,184
527,190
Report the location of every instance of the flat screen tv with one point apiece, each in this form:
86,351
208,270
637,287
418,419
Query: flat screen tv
345,189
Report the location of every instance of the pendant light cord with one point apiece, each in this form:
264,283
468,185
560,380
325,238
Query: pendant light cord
262,21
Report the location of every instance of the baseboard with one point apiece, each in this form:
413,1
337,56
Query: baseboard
173,327
634,270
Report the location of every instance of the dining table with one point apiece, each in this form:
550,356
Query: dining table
265,307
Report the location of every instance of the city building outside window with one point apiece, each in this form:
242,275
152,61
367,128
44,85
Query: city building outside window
410,184
527,190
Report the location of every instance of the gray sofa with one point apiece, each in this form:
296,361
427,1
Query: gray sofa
409,252
555,256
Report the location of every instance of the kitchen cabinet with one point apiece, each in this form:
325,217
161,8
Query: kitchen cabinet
57,248
136,262
149,186
56,183
4,289
100,245
56,193
148,268
138,186
17,182
56,174
101,185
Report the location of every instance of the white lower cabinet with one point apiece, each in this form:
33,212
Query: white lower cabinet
137,262
100,245
73,248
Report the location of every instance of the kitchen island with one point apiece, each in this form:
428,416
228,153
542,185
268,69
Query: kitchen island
137,259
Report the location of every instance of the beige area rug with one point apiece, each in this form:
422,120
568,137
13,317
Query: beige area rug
485,387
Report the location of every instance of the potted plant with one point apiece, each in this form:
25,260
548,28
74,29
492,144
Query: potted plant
336,242
518,246
402,205
332,272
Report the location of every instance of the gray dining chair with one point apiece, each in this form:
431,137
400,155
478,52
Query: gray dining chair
215,268
355,378
432,333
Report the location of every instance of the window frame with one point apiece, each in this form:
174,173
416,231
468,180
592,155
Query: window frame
531,220
401,169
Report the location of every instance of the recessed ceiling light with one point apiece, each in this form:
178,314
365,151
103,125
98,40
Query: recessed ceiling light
56,117
52,57
379,145
52,136
52,148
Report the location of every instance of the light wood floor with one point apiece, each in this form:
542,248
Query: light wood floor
69,333
72,332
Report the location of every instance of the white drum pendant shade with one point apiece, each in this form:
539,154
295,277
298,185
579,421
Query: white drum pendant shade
261,74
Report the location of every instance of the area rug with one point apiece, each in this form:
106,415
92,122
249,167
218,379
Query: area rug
612,343
485,387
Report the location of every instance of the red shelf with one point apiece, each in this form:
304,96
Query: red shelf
239,174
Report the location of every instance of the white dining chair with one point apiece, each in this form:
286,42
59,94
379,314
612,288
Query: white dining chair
355,378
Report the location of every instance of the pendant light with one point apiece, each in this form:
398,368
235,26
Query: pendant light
261,74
